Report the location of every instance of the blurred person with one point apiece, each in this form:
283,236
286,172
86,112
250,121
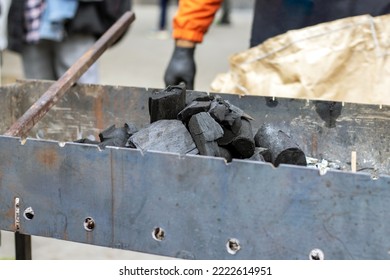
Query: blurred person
271,18
162,30
163,26
51,35
4,6
225,13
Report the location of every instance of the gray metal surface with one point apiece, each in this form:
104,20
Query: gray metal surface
196,204
199,202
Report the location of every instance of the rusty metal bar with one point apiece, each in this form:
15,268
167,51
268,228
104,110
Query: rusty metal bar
38,110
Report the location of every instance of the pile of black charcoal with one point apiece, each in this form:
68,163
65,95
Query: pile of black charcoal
208,125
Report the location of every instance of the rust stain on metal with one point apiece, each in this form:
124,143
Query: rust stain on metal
93,90
48,157
98,109
10,213
89,238
65,236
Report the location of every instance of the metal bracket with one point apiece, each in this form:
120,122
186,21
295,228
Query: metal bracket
17,214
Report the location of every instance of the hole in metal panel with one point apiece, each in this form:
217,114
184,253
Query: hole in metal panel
89,224
233,246
158,234
28,213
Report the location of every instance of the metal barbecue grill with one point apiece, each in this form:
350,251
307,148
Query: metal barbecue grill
192,206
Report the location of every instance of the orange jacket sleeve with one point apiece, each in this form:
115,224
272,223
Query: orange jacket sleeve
193,19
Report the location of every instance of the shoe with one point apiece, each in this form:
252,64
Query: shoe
160,35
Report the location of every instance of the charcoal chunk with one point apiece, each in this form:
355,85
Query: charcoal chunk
197,96
164,136
225,113
227,138
241,139
244,142
282,147
205,131
194,108
257,155
225,153
87,141
265,153
218,110
116,136
167,103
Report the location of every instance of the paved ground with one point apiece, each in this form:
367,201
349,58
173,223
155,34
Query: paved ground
138,60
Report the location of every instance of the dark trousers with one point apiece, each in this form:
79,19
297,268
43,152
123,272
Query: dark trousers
163,14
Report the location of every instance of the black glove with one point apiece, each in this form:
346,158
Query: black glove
181,67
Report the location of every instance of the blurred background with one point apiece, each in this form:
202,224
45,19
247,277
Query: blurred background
140,59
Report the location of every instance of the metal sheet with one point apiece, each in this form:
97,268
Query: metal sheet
88,109
199,202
